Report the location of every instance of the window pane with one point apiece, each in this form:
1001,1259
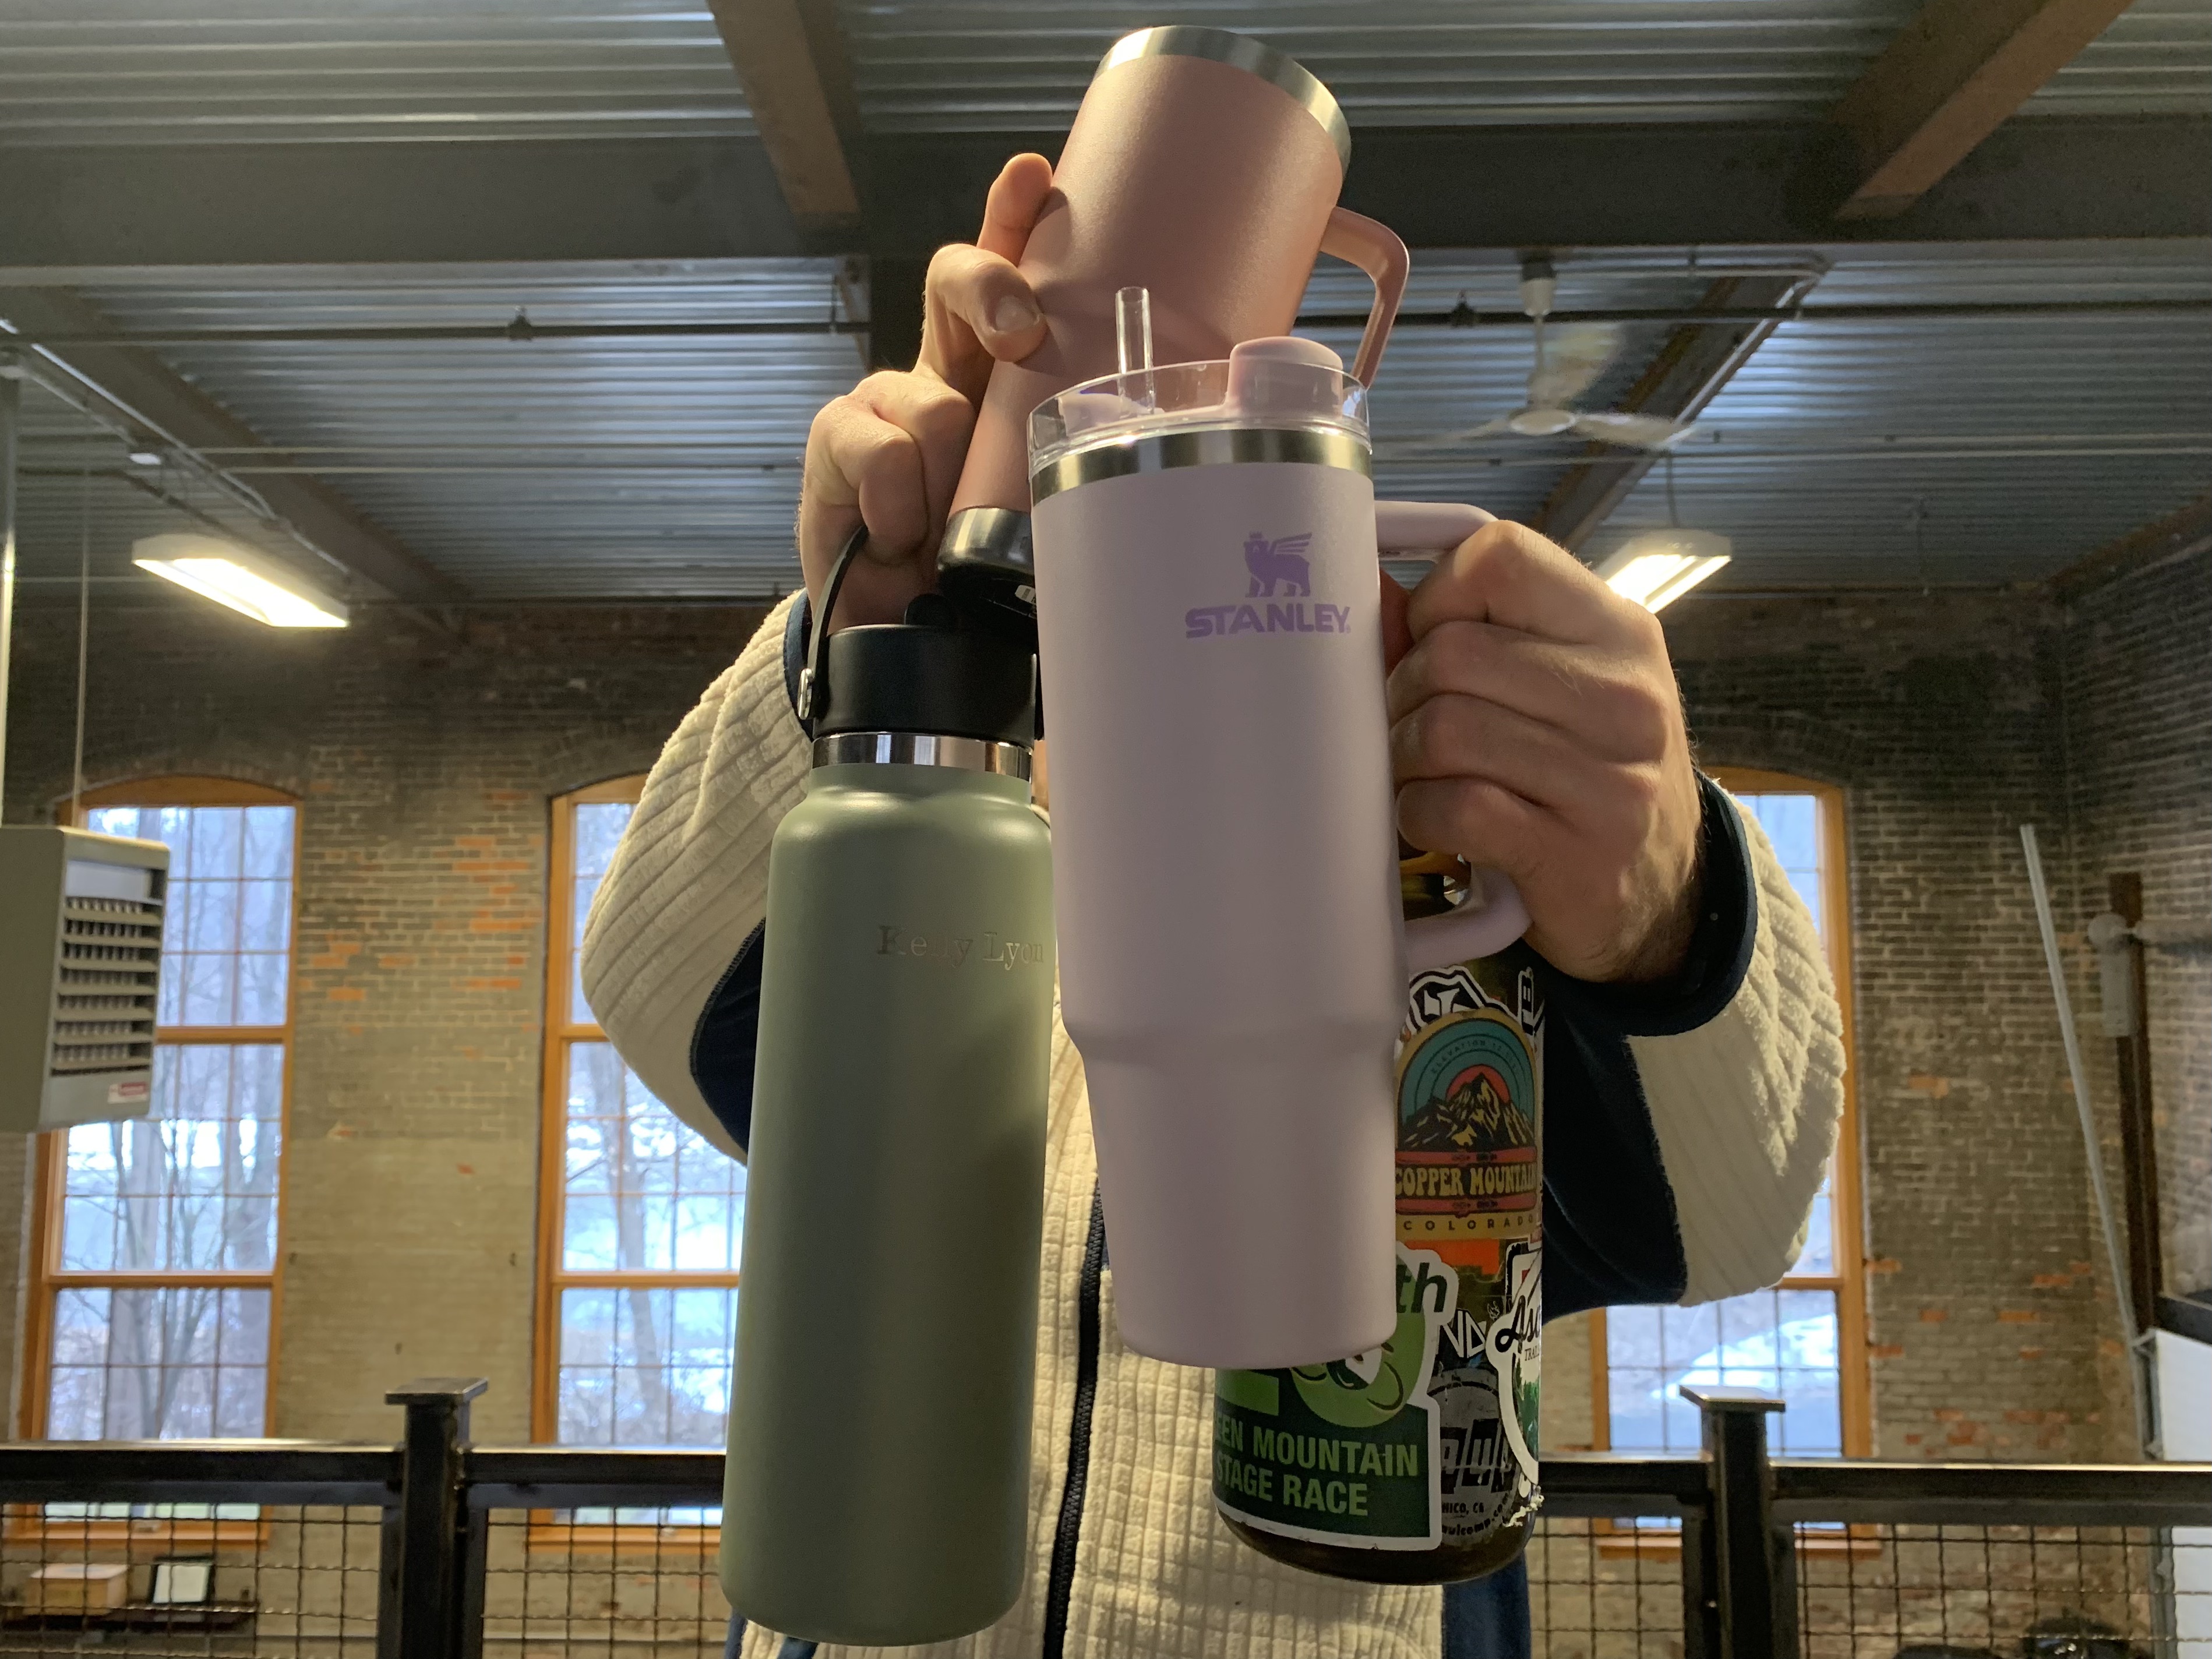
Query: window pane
116,821
646,1365
218,842
1782,1341
1792,822
1638,1423
170,1008
212,923
261,983
600,825
645,1193
190,1188
1813,1427
230,891
211,988
637,1365
598,828
664,1517
1819,1255
172,1363
264,915
580,913
269,843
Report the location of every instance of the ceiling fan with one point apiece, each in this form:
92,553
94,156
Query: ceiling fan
1567,365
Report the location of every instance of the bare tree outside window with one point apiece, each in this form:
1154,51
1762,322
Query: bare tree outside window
642,1257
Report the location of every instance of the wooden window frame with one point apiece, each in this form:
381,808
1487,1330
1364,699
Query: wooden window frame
1847,1243
46,1278
545,1532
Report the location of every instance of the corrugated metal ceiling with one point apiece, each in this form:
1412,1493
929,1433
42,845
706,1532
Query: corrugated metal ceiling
627,468
542,469
633,467
1968,450
2155,60
981,65
140,71
2020,443
80,497
985,63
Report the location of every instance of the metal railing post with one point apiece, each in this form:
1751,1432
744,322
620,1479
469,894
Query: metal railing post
1748,1567
423,1614
1701,1623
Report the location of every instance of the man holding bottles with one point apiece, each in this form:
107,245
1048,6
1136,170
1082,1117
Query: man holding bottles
1692,1057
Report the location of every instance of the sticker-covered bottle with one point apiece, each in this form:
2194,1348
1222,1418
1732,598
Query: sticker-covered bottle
1415,1462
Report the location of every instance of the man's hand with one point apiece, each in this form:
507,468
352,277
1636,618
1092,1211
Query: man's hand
1536,729
890,449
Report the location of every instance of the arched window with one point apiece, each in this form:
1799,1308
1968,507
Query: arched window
1805,1338
156,1262
641,1218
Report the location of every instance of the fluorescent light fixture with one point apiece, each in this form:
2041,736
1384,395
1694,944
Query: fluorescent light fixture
249,581
1658,567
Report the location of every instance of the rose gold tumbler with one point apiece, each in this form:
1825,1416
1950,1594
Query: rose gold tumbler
1204,167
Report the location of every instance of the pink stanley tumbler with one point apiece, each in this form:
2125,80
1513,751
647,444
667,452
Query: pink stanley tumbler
1233,956
1203,167
1204,569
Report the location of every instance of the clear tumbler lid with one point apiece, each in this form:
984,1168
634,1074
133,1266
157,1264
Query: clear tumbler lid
1284,384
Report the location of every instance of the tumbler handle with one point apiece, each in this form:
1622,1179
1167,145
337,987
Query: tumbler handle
1376,249
1492,915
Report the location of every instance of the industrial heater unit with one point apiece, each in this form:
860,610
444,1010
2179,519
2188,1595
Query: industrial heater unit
80,975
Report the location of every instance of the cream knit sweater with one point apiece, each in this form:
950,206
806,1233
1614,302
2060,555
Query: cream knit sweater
1745,1108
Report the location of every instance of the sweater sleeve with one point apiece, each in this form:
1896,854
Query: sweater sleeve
687,887
1689,1123
1746,1105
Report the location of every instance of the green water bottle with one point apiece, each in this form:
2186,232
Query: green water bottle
878,1482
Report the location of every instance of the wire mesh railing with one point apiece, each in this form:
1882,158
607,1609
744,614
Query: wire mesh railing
190,1579
1986,1590
439,1549
185,1547
601,1553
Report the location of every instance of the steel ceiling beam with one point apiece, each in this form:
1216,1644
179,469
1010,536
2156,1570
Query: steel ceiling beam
1953,74
170,406
68,216
793,108
2186,530
1685,374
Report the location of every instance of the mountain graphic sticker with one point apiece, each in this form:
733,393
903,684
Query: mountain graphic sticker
1467,1134
1465,1085
1476,1115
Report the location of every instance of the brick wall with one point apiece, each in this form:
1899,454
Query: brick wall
424,764
1939,719
2136,659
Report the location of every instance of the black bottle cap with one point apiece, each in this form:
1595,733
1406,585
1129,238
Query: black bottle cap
985,567
936,672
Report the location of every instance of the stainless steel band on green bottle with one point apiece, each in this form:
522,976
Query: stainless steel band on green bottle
922,749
